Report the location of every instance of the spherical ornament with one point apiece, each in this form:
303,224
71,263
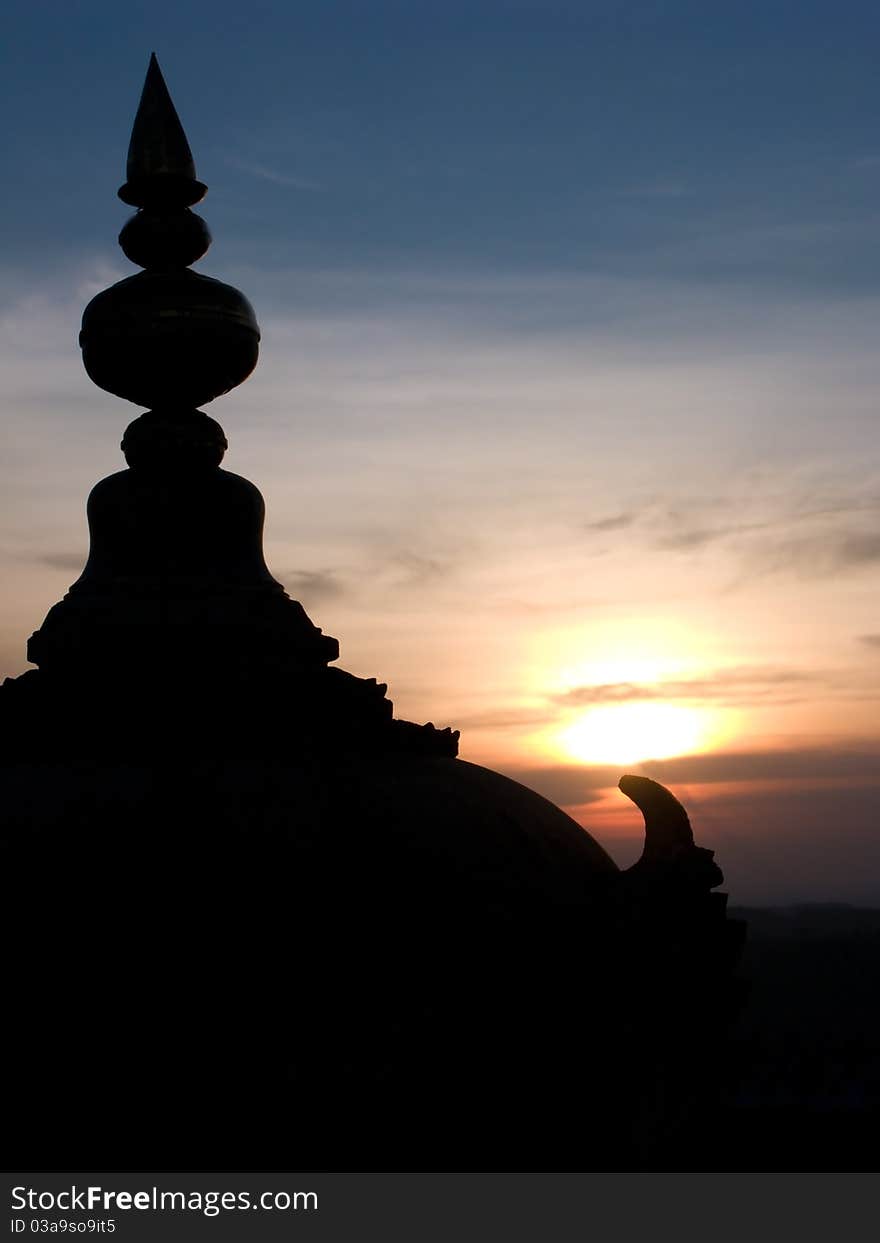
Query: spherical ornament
165,239
169,339
185,439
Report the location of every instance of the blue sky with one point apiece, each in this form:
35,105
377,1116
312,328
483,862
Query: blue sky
569,384
706,140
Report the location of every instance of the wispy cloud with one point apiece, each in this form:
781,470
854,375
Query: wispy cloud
312,586
772,529
506,718
64,560
413,569
742,686
572,785
616,522
566,784
275,175
861,763
679,531
823,554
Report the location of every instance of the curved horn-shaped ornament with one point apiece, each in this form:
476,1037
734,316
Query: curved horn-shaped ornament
669,839
667,827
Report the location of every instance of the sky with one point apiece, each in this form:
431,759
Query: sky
567,409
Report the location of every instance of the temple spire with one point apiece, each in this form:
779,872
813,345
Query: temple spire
176,572
160,168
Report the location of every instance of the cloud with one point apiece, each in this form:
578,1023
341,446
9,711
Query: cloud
274,175
312,586
571,785
686,533
872,640
567,785
696,537
64,560
787,526
860,764
792,844
615,523
381,571
822,554
506,718
416,569
742,685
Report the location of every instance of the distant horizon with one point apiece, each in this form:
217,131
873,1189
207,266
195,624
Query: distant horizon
566,413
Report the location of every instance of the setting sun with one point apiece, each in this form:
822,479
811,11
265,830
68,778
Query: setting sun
633,732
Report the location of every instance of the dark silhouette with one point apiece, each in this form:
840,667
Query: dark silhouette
255,920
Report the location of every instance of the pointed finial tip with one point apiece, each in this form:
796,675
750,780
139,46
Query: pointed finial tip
160,166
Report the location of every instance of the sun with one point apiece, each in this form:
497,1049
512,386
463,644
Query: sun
631,733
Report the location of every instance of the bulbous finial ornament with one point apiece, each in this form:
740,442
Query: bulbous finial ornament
168,337
163,239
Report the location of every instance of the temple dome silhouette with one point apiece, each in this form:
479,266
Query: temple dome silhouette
263,923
